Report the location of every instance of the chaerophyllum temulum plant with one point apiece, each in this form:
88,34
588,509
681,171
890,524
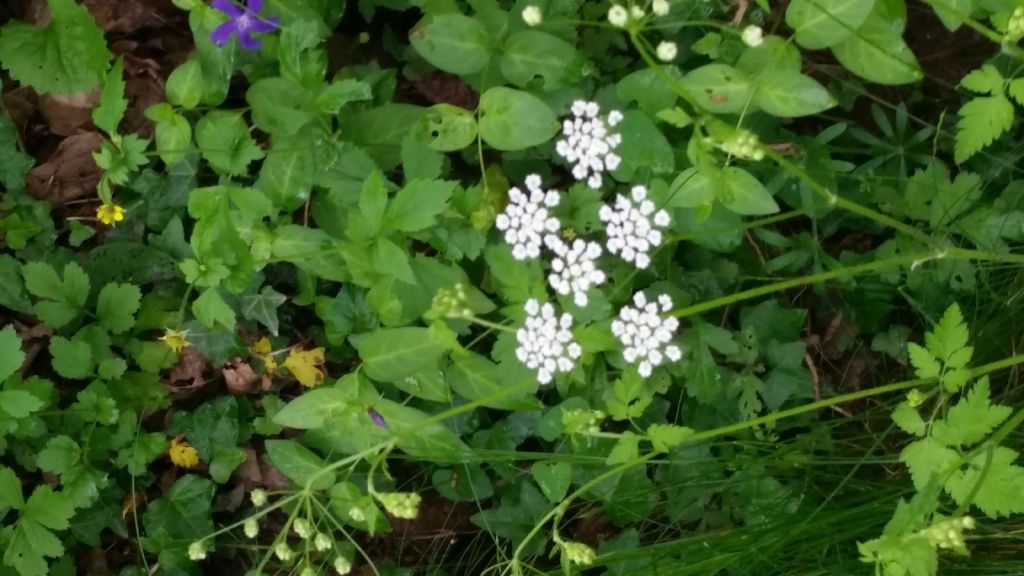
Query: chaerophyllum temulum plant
529,261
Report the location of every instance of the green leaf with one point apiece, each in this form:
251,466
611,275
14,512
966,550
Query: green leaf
69,55
822,23
514,120
10,489
1001,483
19,403
145,448
417,205
453,42
953,12
288,172
262,307
373,201
909,420
184,86
60,455
173,133
213,424
310,249
774,56
389,259
719,88
380,131
225,460
71,359
225,142
279,106
14,164
11,355
64,298
984,80
972,419
340,93
531,54
517,280
183,512
927,457
116,307
553,479
982,120
1016,90
447,128
31,542
948,339
211,309
107,116
644,149
924,363
703,380
299,464
648,89
627,449
878,53
420,161
391,354
665,437
420,439
743,194
476,378
313,408
51,509
694,187
791,94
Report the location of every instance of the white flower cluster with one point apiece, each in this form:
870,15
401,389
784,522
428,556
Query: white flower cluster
527,217
633,226
752,36
645,334
667,51
587,143
545,341
574,268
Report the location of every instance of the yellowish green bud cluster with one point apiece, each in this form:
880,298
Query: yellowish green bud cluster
1015,25
357,514
915,398
578,553
404,505
322,542
251,528
342,565
745,144
451,303
308,571
949,534
283,552
580,421
303,528
258,497
197,550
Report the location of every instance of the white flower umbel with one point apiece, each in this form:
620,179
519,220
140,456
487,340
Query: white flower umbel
587,144
660,7
753,36
646,334
532,15
574,268
667,51
618,16
545,341
634,226
527,217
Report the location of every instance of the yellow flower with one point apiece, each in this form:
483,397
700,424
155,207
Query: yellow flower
261,349
305,366
110,214
182,453
175,339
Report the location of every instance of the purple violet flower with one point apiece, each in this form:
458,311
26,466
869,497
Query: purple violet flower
376,417
242,23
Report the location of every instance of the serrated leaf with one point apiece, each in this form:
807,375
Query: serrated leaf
927,457
116,307
145,448
924,363
69,55
389,259
71,359
664,437
14,164
627,449
982,120
908,419
953,12
224,141
417,205
11,355
60,455
107,116
64,298
1016,90
1002,483
972,419
19,403
262,307
10,489
211,309
984,80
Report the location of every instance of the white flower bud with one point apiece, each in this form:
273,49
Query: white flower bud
322,542
283,552
251,528
197,550
618,16
303,528
532,15
660,7
342,565
258,497
753,36
667,51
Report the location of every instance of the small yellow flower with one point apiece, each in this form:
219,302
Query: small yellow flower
110,214
175,339
262,350
182,453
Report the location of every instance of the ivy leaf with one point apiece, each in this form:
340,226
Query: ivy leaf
63,298
262,307
11,355
305,366
69,55
145,448
182,514
1001,485
71,358
982,120
116,307
225,142
107,116
972,419
984,80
